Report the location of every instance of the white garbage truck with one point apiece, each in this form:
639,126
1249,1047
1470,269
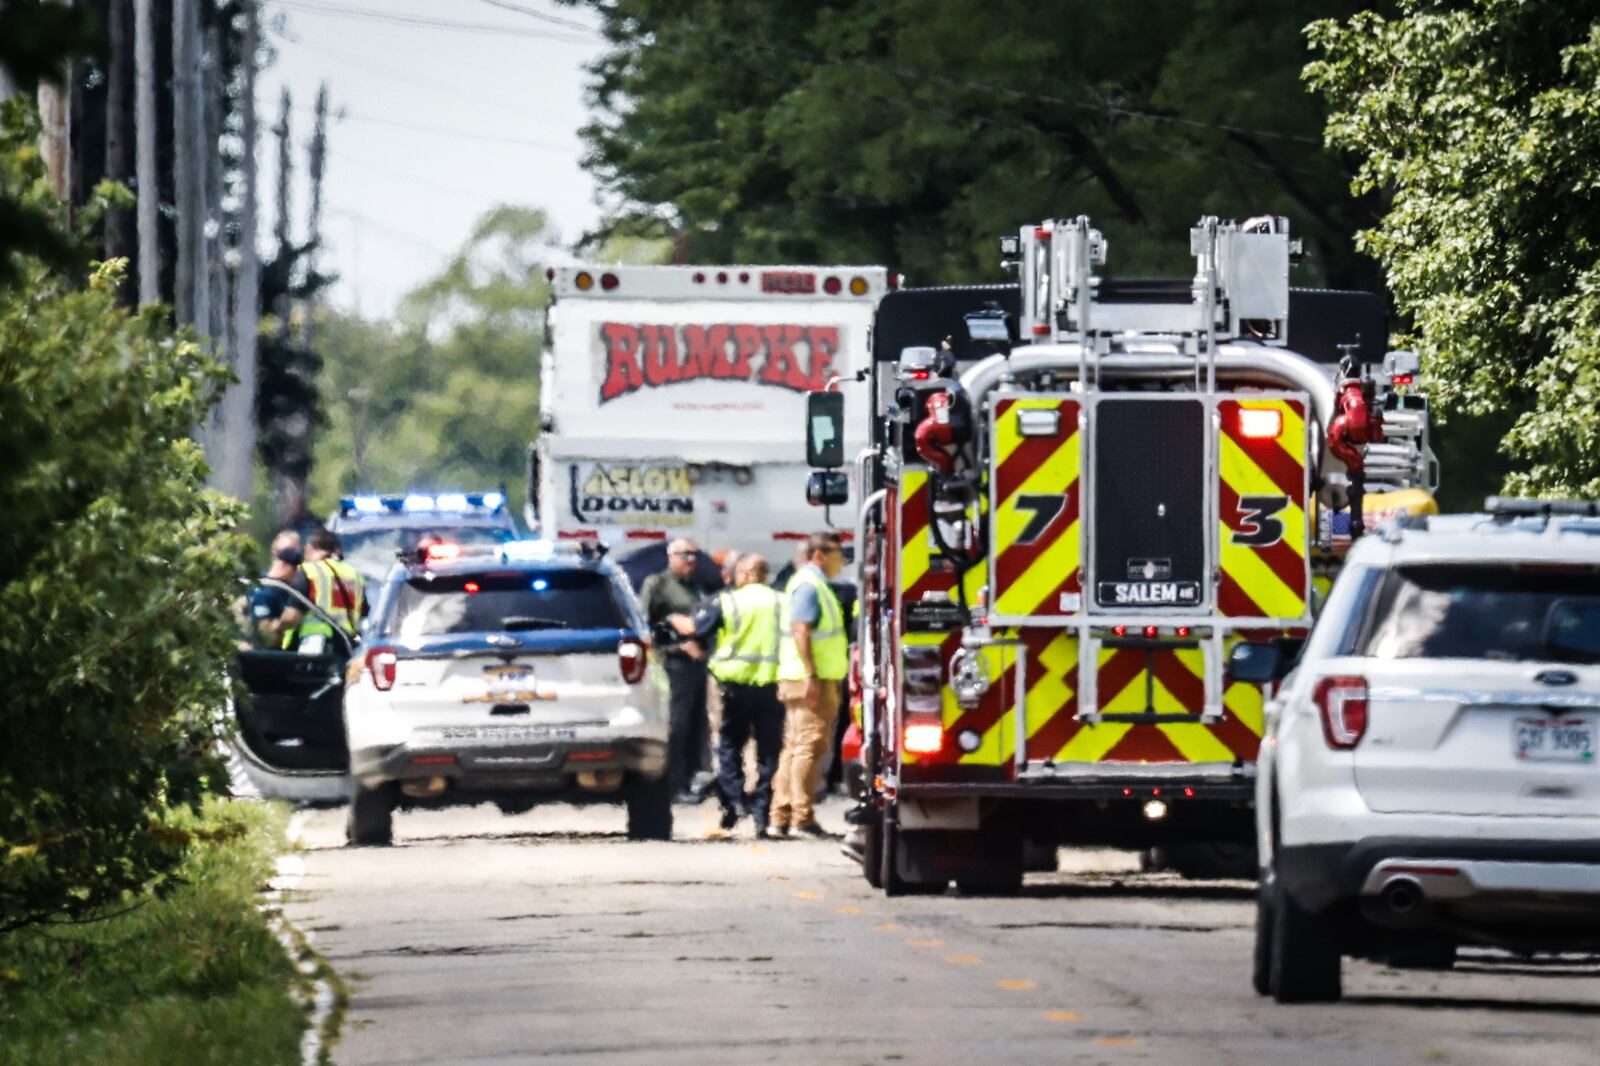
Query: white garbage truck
670,395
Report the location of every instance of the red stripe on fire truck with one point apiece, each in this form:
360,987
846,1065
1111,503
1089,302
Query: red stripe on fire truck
1034,535
1261,508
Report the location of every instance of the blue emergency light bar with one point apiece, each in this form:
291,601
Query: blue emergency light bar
424,503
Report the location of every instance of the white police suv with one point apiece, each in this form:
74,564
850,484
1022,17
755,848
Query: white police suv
1431,771
513,674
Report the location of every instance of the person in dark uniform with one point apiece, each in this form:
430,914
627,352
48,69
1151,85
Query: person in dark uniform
676,590
743,622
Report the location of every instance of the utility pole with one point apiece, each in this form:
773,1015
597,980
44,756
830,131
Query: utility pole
191,293
239,403
119,148
318,152
55,133
145,132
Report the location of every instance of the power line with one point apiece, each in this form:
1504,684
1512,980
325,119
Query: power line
342,114
411,82
395,18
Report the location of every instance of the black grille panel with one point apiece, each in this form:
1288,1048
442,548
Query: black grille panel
1149,503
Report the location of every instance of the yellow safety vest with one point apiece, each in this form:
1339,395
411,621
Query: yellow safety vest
747,642
830,645
324,574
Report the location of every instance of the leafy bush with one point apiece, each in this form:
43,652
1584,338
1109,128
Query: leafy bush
116,581
197,977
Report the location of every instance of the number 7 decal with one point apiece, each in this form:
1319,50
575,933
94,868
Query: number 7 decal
1045,509
1258,528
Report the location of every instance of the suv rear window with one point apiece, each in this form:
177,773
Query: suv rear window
372,551
1477,612
503,601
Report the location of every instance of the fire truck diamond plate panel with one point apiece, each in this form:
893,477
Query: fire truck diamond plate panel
1035,555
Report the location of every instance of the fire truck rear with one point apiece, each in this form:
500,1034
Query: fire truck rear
1078,505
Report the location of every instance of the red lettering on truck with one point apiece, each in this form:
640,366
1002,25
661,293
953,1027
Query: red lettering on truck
797,358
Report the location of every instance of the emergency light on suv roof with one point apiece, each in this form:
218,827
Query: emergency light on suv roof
515,551
1513,507
422,503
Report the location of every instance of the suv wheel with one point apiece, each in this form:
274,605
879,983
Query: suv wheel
1303,954
650,808
370,819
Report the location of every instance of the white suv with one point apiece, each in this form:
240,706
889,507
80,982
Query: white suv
514,674
1430,775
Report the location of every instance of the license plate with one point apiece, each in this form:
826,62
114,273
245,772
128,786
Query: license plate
1554,740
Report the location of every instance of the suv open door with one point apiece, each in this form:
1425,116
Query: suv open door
290,734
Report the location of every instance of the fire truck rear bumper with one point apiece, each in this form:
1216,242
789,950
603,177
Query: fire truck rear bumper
1225,784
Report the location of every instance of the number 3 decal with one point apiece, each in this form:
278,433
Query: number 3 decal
1257,527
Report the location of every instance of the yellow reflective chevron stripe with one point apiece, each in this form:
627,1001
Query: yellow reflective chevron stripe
1263,526
1035,551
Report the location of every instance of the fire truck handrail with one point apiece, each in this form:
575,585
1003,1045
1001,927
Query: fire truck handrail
1234,361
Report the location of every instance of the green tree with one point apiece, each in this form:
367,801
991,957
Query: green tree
1480,123
913,132
447,393
116,577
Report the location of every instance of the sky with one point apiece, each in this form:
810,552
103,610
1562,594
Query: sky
433,125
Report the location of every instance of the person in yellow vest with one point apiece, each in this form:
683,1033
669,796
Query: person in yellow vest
743,622
813,658
333,585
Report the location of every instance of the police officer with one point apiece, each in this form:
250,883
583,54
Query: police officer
332,585
813,658
744,624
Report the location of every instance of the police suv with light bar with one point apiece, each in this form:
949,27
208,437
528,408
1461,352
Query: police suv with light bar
371,528
1432,772
513,674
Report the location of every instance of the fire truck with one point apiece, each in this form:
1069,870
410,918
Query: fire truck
1082,493
668,397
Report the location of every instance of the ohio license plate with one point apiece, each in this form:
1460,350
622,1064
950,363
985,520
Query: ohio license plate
1554,740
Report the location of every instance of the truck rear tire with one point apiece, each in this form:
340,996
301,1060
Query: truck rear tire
649,808
1304,954
1210,860
872,851
370,820
893,883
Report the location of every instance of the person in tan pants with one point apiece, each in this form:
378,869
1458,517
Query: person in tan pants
812,662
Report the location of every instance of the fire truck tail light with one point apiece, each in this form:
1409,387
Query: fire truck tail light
858,286
1342,702
381,663
1183,631
1257,423
472,586
1402,379
923,738
1150,631
831,286
631,658
1120,631
584,281
608,281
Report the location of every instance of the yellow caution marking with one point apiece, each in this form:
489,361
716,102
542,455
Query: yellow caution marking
925,942
1116,1041
1016,984
1062,1016
963,960
888,927
777,877
847,909
807,894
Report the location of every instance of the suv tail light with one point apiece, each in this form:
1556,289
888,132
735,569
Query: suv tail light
631,657
1342,702
381,662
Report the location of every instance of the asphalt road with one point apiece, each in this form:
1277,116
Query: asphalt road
480,938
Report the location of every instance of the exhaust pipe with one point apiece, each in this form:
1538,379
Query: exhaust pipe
1401,897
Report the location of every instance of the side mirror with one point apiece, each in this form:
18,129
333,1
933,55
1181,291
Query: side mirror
827,488
824,431
1572,630
1256,664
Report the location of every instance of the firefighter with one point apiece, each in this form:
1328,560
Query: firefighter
813,658
332,585
744,621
